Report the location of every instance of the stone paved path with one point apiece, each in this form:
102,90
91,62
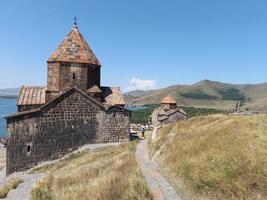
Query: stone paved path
22,192
159,186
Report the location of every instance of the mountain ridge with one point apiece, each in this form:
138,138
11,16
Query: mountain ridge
206,93
9,92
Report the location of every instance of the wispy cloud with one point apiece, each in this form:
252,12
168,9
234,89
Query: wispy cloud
139,84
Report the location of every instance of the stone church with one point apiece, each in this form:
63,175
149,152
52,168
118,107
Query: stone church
72,110
167,113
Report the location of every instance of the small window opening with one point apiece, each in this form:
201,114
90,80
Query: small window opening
28,148
73,76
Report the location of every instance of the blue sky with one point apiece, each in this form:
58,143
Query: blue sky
140,43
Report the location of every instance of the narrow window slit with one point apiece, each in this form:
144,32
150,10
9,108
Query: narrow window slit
28,148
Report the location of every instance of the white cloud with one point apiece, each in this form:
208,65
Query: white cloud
139,84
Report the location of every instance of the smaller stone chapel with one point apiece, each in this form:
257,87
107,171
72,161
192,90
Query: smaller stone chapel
167,113
74,109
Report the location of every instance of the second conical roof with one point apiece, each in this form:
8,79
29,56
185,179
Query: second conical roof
168,100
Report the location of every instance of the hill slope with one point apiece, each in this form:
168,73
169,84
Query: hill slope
228,162
210,94
9,92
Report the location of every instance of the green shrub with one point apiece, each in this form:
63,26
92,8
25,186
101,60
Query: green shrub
141,116
198,94
232,94
192,112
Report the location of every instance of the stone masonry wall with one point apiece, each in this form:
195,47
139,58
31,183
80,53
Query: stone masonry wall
68,122
63,76
65,125
71,75
154,118
53,76
21,134
173,118
116,124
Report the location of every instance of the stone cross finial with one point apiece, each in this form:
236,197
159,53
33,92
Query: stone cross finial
75,20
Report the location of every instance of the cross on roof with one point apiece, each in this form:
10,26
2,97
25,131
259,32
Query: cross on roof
75,20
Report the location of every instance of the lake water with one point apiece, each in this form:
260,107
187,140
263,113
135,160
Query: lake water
7,107
134,108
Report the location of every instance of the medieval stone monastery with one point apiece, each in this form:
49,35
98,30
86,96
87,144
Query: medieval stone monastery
167,113
72,110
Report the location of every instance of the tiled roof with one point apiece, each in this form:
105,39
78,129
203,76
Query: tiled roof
74,48
167,113
31,96
94,89
162,118
112,96
168,100
23,113
162,112
58,98
182,111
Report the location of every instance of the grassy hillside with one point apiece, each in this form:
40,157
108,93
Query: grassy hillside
207,94
221,157
106,174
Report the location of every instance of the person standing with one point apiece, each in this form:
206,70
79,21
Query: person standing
143,130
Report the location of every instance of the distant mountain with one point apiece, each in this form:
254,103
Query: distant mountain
9,92
206,93
136,93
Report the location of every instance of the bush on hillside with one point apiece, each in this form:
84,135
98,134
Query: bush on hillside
198,94
232,94
192,112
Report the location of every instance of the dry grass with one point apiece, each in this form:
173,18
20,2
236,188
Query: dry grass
11,184
161,139
219,157
105,174
43,190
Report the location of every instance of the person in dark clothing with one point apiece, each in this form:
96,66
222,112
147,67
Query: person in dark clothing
143,130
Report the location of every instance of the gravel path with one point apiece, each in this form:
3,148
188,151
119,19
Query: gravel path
159,186
22,192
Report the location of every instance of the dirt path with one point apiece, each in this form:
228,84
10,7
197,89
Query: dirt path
159,186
